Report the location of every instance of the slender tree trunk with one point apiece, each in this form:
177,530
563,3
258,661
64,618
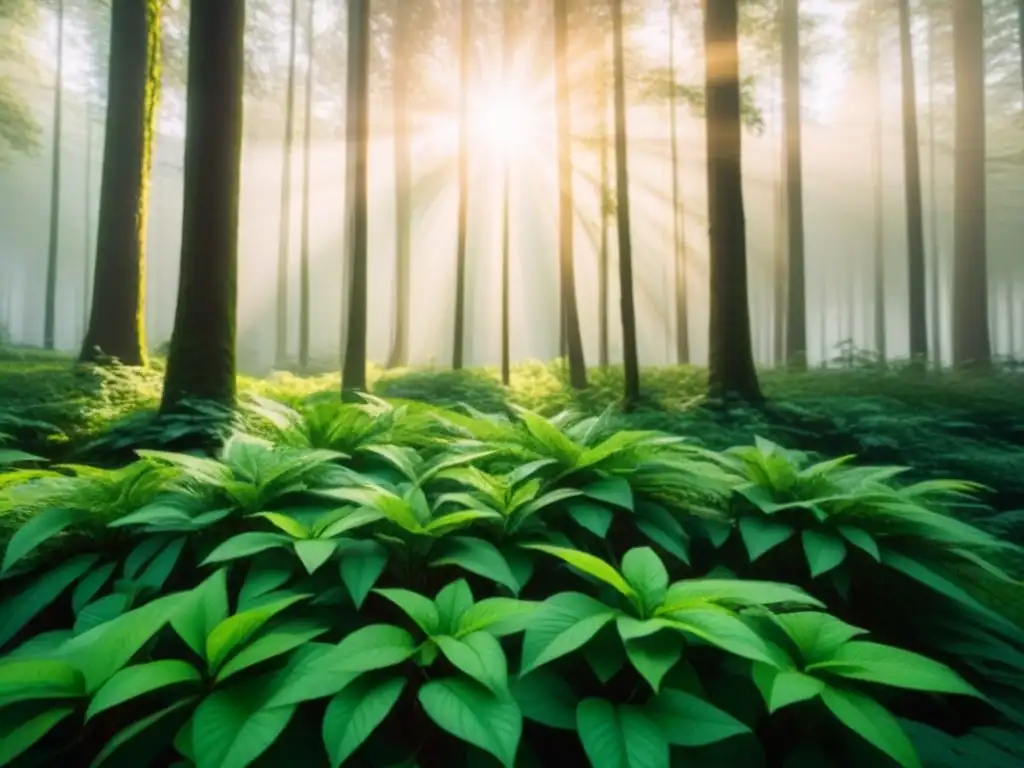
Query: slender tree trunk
678,233
567,271
628,307
730,355
936,253
50,316
354,371
796,321
780,280
283,247
118,319
971,344
87,223
1020,37
881,337
458,355
307,149
401,76
201,363
603,256
507,53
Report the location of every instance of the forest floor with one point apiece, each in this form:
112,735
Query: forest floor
942,425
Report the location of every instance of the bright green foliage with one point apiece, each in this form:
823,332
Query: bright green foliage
366,582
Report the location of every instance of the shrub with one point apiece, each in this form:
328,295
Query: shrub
382,584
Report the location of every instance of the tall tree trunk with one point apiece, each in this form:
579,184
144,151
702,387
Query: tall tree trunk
307,149
730,355
604,248
50,310
466,48
1020,37
631,360
284,242
353,379
118,319
936,251
678,233
971,345
401,76
201,363
507,54
878,190
796,320
87,222
912,185
780,281
570,316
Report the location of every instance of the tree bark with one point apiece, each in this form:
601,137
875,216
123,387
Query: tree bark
458,354
878,196
201,363
401,75
731,369
307,149
50,307
971,343
570,317
604,255
936,250
284,242
507,53
117,322
678,232
796,321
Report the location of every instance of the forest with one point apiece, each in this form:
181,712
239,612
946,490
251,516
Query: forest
431,383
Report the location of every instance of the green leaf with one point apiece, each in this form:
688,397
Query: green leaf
688,721
498,615
824,551
622,738
476,716
417,607
235,630
884,664
23,606
143,552
34,532
760,535
18,740
654,655
658,524
817,635
34,679
727,631
278,641
314,552
232,727
261,579
101,611
86,589
452,601
546,698
595,518
780,688
246,545
478,655
202,609
160,567
862,540
588,564
289,525
132,682
605,655
611,490
732,592
560,625
355,713
362,563
136,729
477,556
357,518
873,722
646,574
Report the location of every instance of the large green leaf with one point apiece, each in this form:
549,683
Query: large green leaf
694,592
201,610
233,726
653,656
760,535
562,623
647,575
596,518
727,631
362,563
862,540
884,664
622,737
246,545
498,615
477,556
34,532
261,579
90,585
824,551
611,490
817,635
873,722
420,609
688,721
479,656
132,682
277,641
235,630
355,712
546,698
475,715
314,552
33,679
452,601
15,740
23,606
588,564
289,525
782,687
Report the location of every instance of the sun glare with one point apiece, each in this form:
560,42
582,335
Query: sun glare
503,120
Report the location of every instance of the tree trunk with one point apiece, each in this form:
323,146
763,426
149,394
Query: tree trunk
796,320
878,166
201,363
936,252
678,232
50,311
87,222
401,76
118,319
353,379
730,355
458,355
603,256
628,307
912,185
570,317
971,345
1020,37
284,242
507,53
307,148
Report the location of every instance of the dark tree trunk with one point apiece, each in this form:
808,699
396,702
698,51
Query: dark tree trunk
307,148
466,43
50,307
570,316
507,53
936,250
401,75
284,242
631,362
87,253
912,184
796,315
971,345
353,379
201,363
878,196
603,256
117,323
678,232
730,356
